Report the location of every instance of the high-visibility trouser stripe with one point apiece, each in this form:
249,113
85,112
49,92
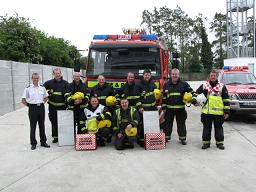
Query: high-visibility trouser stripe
182,138
173,94
219,142
148,105
212,109
225,100
81,122
102,97
57,93
56,104
175,106
167,137
70,107
206,142
226,107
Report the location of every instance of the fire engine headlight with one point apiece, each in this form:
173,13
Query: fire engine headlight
232,96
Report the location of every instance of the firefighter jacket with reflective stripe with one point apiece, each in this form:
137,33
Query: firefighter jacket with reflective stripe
90,115
173,94
71,90
56,90
131,92
102,92
217,102
147,97
122,118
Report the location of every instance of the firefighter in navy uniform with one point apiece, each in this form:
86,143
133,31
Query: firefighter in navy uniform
76,98
131,91
102,90
126,120
214,110
56,89
173,106
96,119
147,100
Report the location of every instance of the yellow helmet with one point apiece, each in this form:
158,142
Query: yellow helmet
78,95
110,101
157,93
187,98
104,123
131,132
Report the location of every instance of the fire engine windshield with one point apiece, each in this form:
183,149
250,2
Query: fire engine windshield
238,78
120,61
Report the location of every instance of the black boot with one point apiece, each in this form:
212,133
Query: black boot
220,146
205,146
183,142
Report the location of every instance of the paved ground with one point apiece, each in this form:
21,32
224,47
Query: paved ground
177,168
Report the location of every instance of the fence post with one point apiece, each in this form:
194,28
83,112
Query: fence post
12,84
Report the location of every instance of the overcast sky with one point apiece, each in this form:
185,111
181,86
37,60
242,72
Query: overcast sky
78,20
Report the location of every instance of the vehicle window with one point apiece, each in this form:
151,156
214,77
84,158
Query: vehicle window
236,78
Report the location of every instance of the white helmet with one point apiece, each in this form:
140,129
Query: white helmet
201,99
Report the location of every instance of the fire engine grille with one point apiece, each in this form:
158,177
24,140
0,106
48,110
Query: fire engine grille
247,96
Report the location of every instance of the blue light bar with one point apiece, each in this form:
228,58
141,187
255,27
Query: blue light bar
226,67
100,37
149,37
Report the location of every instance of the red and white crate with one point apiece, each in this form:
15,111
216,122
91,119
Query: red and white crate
154,141
85,142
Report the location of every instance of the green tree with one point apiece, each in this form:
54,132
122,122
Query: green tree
219,27
206,52
18,40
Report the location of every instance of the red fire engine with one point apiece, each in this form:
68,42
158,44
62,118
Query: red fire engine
115,55
241,85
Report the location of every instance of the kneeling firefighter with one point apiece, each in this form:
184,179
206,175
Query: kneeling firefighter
125,120
96,120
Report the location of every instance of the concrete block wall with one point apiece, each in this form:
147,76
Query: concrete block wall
15,76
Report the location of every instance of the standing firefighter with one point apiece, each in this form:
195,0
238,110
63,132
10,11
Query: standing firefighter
126,121
56,89
102,90
214,110
147,99
76,98
174,106
130,91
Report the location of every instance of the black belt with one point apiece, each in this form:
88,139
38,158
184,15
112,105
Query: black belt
37,105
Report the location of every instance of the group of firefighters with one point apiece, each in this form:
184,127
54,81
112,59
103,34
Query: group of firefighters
106,112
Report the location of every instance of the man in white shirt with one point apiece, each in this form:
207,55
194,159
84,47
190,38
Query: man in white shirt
34,96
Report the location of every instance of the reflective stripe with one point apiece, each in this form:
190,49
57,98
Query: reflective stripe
70,107
66,94
83,106
138,104
149,104
102,97
174,94
133,97
57,93
182,138
83,128
206,142
109,114
102,116
56,104
225,100
69,98
219,142
81,122
212,109
175,106
148,94
226,107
